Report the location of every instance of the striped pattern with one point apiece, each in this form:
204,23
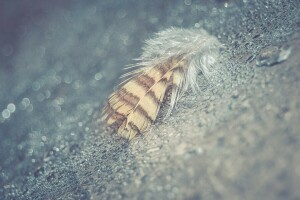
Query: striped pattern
134,106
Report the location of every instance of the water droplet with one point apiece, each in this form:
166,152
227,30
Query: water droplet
188,2
26,101
36,86
44,138
98,76
68,79
11,107
5,114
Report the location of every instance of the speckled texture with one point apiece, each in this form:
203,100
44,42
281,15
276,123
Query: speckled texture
236,139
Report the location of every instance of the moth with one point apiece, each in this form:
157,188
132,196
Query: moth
170,62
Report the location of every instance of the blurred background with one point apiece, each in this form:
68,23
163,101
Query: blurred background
237,138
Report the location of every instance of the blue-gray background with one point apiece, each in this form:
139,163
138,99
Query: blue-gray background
236,139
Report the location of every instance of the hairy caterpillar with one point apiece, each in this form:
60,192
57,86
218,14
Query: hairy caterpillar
169,62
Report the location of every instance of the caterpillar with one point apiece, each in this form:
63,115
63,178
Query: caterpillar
169,62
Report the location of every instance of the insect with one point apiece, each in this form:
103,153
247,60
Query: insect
169,62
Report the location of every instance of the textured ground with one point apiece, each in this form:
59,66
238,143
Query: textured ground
238,138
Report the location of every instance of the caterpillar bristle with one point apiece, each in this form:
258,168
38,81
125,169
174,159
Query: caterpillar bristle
171,60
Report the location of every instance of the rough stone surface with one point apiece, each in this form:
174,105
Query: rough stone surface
237,138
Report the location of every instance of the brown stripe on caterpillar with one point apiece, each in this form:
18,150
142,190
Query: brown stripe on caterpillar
149,106
134,129
122,107
177,60
140,119
137,122
127,97
145,80
164,80
133,126
143,112
159,90
153,97
171,64
128,130
113,117
164,67
135,88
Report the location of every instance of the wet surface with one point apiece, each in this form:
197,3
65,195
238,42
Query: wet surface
236,139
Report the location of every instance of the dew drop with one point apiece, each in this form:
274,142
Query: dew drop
5,114
11,107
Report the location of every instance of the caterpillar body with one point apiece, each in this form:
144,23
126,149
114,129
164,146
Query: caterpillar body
169,62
